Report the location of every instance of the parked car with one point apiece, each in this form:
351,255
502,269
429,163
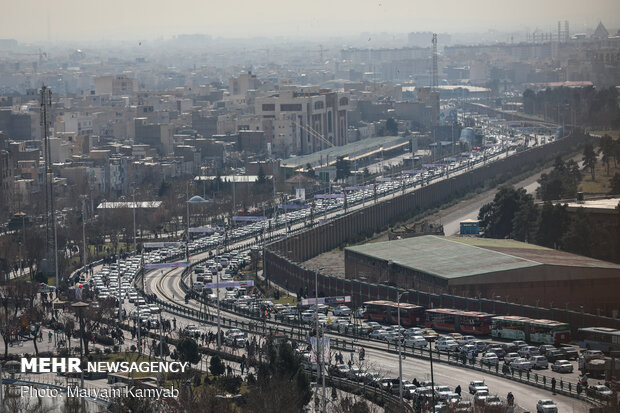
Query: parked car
528,351
490,359
570,353
477,385
521,364
599,391
539,362
562,366
481,396
546,406
510,357
342,311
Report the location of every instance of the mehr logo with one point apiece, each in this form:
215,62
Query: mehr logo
51,365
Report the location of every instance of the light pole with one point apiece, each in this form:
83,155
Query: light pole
430,340
79,307
400,358
319,344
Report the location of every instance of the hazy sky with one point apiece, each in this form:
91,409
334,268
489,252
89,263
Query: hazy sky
74,20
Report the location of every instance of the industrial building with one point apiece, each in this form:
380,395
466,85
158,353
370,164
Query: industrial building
489,268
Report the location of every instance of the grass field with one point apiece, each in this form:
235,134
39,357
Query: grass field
602,181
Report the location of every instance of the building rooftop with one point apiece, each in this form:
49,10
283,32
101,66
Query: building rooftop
456,257
353,149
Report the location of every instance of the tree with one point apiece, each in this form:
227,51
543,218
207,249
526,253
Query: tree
606,149
552,223
496,218
343,168
615,184
261,178
561,182
187,349
589,158
216,366
391,127
579,236
524,220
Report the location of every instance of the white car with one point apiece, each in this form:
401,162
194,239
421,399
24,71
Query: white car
546,406
562,366
342,311
476,386
481,396
446,345
415,341
490,359
539,362
510,357
521,364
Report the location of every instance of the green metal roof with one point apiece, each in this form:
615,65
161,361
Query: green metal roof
351,149
446,257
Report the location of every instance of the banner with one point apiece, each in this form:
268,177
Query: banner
231,284
293,206
358,188
162,244
300,193
249,218
329,196
327,300
324,343
158,266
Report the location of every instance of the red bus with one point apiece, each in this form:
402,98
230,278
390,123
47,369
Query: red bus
466,322
386,312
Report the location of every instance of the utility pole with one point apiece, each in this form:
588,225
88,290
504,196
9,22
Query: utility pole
84,263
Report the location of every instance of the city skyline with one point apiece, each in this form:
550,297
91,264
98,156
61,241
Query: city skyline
33,21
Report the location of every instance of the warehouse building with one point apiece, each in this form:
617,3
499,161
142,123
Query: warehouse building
489,268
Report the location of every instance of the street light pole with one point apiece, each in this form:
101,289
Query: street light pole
400,358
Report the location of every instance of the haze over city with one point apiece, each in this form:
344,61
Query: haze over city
77,21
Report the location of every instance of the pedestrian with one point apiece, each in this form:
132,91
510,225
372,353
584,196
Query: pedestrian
553,385
49,336
458,390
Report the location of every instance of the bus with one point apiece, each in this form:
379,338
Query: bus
604,339
466,322
386,312
530,330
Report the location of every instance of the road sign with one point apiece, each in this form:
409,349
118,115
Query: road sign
329,196
293,206
327,300
249,218
248,283
206,229
161,244
358,188
157,266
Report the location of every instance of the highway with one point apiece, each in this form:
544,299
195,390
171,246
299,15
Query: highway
166,286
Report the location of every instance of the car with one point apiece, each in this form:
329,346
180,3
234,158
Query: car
528,351
446,345
353,372
481,396
415,341
342,311
521,364
378,334
191,331
466,340
493,401
490,359
519,343
477,385
562,366
395,389
599,391
570,353
340,370
539,362
555,355
544,348
442,392
463,406
499,352
546,406
456,336
510,357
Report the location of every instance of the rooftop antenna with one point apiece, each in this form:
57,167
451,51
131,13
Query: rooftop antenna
50,222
